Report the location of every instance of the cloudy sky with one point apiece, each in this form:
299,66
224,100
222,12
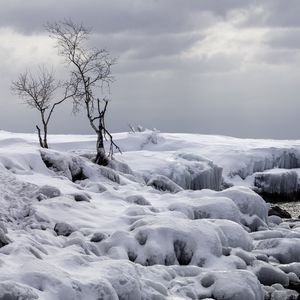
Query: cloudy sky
227,67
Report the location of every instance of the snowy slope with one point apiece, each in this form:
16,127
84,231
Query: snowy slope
157,223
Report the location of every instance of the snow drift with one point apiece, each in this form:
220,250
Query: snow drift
174,217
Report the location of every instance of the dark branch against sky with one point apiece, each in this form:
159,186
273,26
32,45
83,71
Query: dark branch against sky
205,66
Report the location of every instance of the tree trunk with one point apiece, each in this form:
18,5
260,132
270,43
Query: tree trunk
45,143
101,158
39,135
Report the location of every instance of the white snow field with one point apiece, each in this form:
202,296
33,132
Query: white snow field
172,217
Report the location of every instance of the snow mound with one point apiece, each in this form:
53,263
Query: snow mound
209,208
285,250
70,229
250,204
10,290
163,240
239,204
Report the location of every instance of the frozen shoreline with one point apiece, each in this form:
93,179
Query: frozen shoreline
141,228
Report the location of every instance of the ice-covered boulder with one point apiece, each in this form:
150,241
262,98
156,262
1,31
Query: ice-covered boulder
209,208
163,240
79,197
77,168
262,159
197,173
137,199
285,250
268,274
274,220
167,240
163,183
188,170
253,207
69,165
235,234
233,285
48,191
94,187
98,237
120,166
277,184
4,240
10,290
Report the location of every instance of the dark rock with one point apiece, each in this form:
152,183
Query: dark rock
4,240
278,211
98,237
81,197
207,280
63,229
295,286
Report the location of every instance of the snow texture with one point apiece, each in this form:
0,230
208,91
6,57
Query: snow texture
174,217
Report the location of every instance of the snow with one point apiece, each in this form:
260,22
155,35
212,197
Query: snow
176,216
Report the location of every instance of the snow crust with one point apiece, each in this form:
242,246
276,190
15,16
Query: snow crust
174,217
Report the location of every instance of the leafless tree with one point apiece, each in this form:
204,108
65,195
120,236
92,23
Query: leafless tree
38,92
91,73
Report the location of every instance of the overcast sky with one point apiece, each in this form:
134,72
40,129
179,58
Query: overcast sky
228,67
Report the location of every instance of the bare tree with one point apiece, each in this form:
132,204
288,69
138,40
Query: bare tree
38,92
91,73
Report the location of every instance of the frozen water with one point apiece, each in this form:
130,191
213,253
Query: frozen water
70,229
277,181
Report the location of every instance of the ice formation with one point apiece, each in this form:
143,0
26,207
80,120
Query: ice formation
174,217
277,182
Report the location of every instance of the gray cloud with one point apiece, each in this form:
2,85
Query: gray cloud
210,66
150,16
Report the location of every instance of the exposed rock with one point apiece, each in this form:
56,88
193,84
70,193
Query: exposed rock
98,237
81,197
278,211
4,240
63,229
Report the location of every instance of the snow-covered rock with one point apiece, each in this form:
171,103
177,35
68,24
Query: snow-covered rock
163,183
285,250
4,240
187,170
268,274
277,183
48,191
185,239
63,229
